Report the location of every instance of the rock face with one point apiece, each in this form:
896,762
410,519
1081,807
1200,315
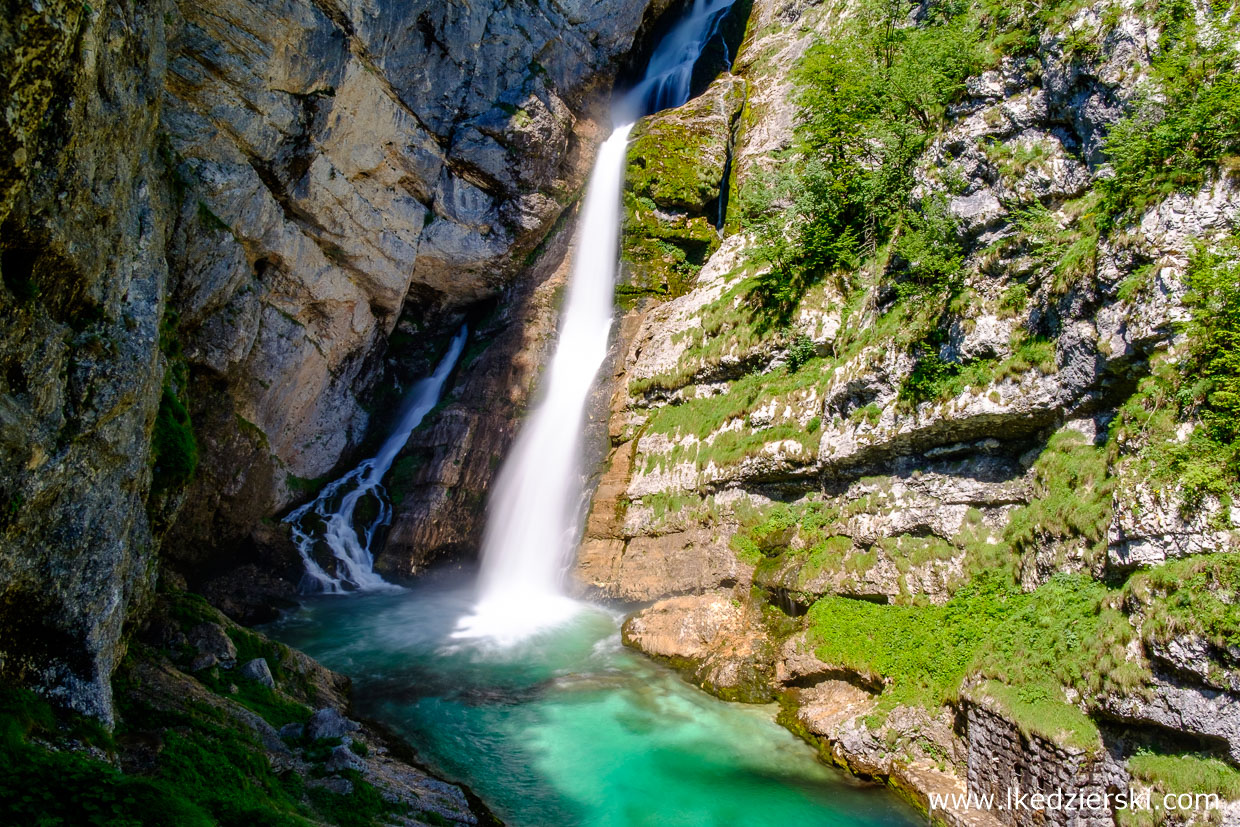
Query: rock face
439,482
422,151
213,216
83,214
714,636
763,463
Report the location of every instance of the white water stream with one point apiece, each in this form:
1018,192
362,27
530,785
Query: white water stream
538,498
330,517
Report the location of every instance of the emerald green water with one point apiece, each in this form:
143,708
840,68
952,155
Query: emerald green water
571,728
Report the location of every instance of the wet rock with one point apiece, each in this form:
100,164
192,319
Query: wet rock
210,639
336,786
203,662
719,641
292,731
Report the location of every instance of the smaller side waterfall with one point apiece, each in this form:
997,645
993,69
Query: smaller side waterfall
332,518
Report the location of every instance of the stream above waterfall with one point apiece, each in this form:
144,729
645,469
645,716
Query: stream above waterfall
569,727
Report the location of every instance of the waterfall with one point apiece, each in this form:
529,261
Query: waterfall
331,517
537,500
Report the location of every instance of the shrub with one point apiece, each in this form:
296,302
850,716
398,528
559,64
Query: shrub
800,351
1203,386
1186,122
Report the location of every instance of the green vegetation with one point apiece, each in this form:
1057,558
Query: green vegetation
54,787
671,184
1031,646
934,379
197,761
1186,773
1072,488
872,98
706,415
1197,596
174,449
1066,248
1175,774
661,257
1188,119
665,162
1202,387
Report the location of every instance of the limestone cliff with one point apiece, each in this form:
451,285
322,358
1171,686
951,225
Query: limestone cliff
343,164
83,220
862,413
214,216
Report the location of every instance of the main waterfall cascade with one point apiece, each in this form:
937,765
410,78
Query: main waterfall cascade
539,497
529,697
332,516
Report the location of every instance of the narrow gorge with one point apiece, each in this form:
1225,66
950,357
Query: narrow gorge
620,412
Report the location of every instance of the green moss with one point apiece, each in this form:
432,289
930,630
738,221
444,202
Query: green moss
661,256
665,163
174,449
306,485
402,476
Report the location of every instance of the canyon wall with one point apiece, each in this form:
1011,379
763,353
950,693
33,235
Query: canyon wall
796,479
214,216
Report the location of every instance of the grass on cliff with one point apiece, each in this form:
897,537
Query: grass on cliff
1194,596
1201,387
705,416
1186,123
1030,645
1186,773
934,379
1072,488
1070,510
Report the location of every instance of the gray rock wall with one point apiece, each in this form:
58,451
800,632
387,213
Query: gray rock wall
336,160
83,212
1005,763
254,191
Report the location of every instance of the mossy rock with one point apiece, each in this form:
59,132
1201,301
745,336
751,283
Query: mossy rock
678,157
662,253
